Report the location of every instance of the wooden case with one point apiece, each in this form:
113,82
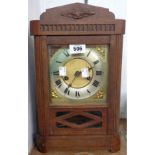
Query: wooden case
78,24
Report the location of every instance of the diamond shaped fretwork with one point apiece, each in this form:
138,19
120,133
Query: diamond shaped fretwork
80,119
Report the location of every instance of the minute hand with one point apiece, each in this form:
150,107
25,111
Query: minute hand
77,74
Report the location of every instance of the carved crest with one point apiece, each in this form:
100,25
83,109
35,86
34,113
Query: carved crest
78,13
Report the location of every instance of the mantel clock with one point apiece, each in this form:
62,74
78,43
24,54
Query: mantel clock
78,49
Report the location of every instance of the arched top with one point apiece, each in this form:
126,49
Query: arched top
77,19
76,12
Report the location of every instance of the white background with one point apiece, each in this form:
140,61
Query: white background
14,76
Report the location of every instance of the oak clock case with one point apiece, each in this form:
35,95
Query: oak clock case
78,93
85,78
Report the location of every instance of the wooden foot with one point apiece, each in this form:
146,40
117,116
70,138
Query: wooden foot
41,144
115,144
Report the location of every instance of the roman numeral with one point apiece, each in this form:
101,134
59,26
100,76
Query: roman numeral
88,53
56,73
98,72
95,83
58,83
88,91
96,62
77,94
66,53
59,62
67,91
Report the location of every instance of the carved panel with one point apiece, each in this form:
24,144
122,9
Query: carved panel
78,27
78,13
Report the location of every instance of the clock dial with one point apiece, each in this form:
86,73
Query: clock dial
77,77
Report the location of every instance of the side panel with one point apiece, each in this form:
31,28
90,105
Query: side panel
41,84
115,58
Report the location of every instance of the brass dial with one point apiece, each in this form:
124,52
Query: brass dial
74,67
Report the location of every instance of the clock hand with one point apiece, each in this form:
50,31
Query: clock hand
76,74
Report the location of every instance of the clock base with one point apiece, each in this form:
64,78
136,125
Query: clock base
40,143
115,144
82,143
